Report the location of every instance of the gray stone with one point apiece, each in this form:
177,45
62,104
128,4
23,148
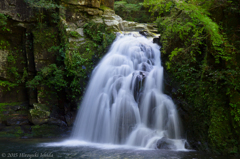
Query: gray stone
17,121
165,143
93,11
90,3
97,19
72,26
55,121
80,31
80,23
70,117
75,40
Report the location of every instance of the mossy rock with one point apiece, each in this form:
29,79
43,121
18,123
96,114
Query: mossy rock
35,113
15,113
12,132
45,43
42,107
47,131
40,114
107,10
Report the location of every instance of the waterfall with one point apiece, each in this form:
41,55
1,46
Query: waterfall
124,102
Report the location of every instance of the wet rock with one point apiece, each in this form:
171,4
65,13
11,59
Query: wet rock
157,41
18,121
144,33
40,114
165,143
70,118
55,121
139,84
187,145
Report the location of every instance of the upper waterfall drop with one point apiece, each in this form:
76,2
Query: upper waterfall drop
124,102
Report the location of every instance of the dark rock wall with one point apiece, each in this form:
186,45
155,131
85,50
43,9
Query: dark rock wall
35,43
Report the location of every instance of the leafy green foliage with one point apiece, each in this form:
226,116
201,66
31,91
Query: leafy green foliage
7,84
133,11
202,59
76,71
75,62
74,34
3,19
50,76
101,38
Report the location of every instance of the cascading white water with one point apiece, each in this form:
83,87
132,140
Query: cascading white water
124,102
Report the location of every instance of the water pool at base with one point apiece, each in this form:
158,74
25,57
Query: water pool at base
50,149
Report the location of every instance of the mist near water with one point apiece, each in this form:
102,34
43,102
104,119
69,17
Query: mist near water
124,103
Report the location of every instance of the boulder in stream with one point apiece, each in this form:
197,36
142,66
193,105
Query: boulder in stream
165,143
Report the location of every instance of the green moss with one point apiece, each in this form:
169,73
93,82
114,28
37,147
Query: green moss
75,60
10,110
45,38
4,106
11,104
133,11
3,19
8,85
103,7
202,63
81,57
46,131
40,111
74,34
12,132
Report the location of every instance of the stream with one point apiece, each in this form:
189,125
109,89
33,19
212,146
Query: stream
56,148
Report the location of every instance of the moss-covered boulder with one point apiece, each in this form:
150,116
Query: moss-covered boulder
40,114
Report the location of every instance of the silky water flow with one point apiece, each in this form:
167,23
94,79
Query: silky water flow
124,103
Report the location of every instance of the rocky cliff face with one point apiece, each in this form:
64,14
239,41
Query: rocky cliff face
35,38
47,53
